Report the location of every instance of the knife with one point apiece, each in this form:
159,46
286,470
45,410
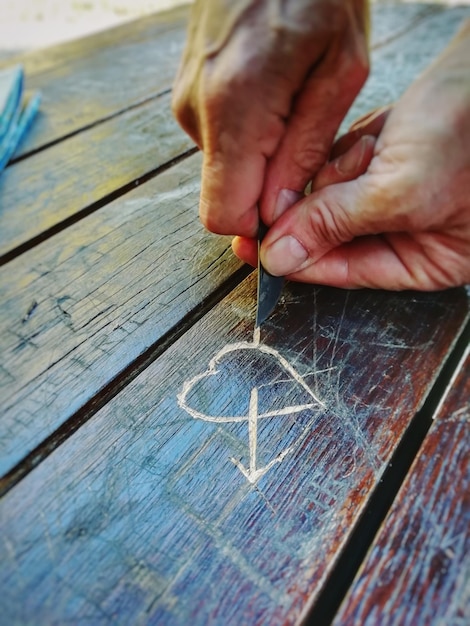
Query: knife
269,286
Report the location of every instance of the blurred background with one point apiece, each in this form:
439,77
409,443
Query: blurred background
29,24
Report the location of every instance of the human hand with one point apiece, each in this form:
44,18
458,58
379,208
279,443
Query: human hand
405,222
262,89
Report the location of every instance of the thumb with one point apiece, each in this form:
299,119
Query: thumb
311,228
347,235
330,238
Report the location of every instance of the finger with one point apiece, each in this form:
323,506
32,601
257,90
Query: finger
374,262
348,166
393,261
371,124
229,195
333,237
314,226
246,249
312,125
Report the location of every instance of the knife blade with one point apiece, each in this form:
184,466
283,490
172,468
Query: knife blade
269,286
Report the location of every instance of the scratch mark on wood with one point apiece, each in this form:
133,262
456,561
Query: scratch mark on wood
253,473
32,307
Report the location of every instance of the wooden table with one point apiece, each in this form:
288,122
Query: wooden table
159,465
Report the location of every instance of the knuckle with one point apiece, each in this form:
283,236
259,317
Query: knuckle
211,222
307,160
325,225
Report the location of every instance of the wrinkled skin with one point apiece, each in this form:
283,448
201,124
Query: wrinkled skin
392,208
262,89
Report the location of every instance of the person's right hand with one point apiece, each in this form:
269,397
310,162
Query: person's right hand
262,89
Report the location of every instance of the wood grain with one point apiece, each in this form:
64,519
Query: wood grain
53,360
77,309
56,184
417,571
142,516
390,20
135,62
90,79
397,63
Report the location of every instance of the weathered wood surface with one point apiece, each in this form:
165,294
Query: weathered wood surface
148,514
391,19
418,570
90,79
40,356
56,184
136,61
78,308
397,63
144,516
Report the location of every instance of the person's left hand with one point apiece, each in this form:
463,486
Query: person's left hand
398,220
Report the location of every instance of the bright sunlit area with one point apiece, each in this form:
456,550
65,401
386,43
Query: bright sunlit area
30,24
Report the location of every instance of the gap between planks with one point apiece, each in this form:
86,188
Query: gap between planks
413,23
106,118
362,536
118,383
120,191
94,206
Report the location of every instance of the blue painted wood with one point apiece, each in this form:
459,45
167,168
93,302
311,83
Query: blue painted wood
417,569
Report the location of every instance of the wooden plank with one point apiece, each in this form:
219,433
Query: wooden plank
54,185
135,61
28,390
77,309
396,64
90,79
417,571
390,20
145,514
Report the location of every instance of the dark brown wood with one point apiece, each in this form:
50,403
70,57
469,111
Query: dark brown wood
417,570
77,309
90,79
56,184
143,516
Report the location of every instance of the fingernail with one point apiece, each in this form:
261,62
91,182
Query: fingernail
284,256
285,199
349,162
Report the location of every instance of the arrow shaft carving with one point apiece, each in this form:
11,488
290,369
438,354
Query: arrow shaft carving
253,428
